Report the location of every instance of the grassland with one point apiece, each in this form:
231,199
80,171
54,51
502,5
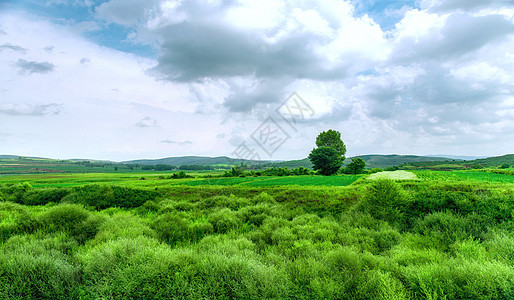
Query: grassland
140,235
394,175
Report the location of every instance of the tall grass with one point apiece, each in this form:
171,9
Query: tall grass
377,240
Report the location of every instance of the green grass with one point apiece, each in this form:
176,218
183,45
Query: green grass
258,237
465,176
394,175
156,180
279,181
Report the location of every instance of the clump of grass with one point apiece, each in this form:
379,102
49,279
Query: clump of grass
38,268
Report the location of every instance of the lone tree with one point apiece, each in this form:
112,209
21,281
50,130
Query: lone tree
356,166
329,156
332,138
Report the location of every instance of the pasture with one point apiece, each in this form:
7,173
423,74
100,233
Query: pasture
144,235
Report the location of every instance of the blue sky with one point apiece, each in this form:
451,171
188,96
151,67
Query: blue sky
145,79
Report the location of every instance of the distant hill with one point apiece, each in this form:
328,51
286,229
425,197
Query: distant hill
492,161
460,157
385,161
193,160
291,164
8,156
372,161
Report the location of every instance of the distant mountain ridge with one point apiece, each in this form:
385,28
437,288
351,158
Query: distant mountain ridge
372,161
492,161
194,160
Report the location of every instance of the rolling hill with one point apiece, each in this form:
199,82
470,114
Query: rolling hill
372,161
491,161
193,160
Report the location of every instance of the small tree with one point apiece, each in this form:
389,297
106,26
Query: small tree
329,156
356,166
326,160
332,138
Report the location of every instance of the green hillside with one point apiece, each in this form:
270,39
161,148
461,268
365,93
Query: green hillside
492,161
385,161
372,161
192,160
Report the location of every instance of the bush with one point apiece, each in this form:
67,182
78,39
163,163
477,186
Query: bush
225,220
34,268
122,225
15,219
171,227
103,196
384,200
44,196
72,219
461,279
445,228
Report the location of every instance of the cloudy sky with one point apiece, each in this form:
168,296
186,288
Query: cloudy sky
128,79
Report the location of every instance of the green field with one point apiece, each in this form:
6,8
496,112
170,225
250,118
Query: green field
141,235
279,181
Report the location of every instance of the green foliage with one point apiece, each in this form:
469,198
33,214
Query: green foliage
332,139
356,166
72,219
384,200
104,196
180,175
326,160
415,239
34,268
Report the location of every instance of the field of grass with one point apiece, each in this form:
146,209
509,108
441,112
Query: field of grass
279,181
394,175
446,235
465,176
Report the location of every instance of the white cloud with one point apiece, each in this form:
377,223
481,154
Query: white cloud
439,81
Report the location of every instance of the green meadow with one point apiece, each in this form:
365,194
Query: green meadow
142,235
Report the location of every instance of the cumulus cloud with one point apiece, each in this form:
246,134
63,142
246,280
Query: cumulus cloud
29,109
29,67
126,12
439,74
464,5
15,48
146,122
272,43
460,35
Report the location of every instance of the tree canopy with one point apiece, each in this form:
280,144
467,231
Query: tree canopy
332,138
356,166
326,160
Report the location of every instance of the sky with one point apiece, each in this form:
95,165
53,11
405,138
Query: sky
130,79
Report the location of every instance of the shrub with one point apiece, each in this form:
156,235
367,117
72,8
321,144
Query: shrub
44,196
122,225
444,228
225,220
34,268
103,196
384,200
171,227
461,279
73,219
15,219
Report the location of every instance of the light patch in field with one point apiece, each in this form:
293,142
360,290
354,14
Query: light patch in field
395,175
